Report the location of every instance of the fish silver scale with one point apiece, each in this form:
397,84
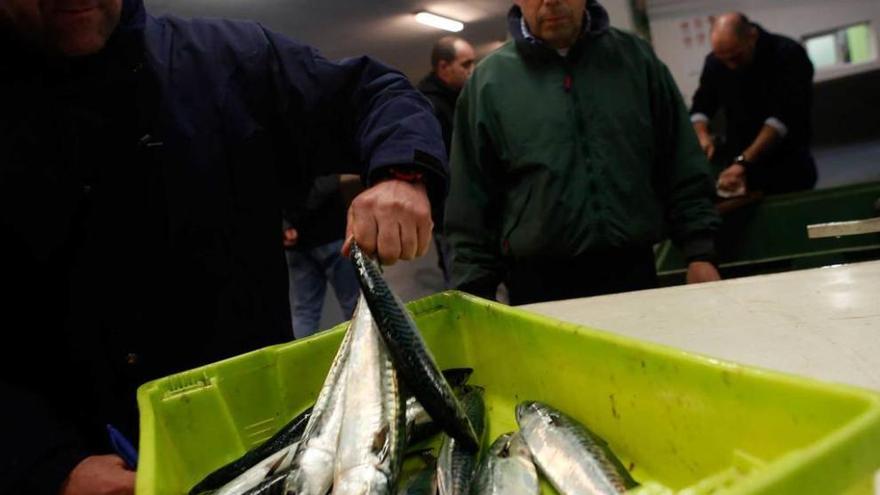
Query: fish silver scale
571,459
312,468
277,462
507,469
373,432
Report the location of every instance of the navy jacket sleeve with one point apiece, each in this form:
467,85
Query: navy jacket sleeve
40,451
391,123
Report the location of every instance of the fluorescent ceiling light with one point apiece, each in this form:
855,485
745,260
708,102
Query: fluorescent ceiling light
439,22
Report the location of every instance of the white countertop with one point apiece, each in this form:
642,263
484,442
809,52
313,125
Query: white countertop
822,323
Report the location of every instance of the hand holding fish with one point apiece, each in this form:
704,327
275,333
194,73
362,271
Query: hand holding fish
392,219
100,475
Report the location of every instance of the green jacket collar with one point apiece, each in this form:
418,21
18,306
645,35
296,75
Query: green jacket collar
533,49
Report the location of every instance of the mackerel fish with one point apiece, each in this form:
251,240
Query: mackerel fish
456,464
573,459
507,469
411,356
373,434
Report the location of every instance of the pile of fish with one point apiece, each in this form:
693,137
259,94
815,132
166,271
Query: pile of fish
385,394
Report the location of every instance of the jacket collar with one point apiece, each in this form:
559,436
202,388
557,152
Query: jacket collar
433,84
762,45
596,23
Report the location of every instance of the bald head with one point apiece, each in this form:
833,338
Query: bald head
452,59
733,40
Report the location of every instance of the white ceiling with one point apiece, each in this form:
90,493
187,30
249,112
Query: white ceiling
384,29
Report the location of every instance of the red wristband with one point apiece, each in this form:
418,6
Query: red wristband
405,175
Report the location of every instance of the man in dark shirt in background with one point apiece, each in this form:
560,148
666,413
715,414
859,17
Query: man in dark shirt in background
763,81
313,240
452,62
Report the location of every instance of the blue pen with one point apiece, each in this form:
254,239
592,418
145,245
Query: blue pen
123,447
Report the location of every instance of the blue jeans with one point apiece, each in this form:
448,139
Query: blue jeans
309,273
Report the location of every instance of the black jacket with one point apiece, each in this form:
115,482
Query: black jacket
140,210
443,98
779,83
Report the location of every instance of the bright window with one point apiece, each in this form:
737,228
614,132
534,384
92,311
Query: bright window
823,50
845,46
859,40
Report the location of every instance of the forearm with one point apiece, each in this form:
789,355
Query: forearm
688,188
477,273
477,260
732,179
357,110
477,265
701,127
766,140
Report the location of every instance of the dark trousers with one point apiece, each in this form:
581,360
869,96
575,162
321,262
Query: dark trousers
591,274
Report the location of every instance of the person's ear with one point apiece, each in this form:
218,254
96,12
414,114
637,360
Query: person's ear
753,35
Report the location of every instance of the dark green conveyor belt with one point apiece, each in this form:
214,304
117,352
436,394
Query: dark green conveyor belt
769,235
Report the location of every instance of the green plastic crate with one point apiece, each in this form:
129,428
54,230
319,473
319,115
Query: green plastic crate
683,423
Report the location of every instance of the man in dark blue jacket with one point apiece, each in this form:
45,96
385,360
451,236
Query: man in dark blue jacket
144,165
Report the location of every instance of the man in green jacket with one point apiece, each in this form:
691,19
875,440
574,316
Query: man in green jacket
572,155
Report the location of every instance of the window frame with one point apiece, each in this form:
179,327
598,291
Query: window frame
842,66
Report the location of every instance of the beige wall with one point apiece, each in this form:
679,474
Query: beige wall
793,18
